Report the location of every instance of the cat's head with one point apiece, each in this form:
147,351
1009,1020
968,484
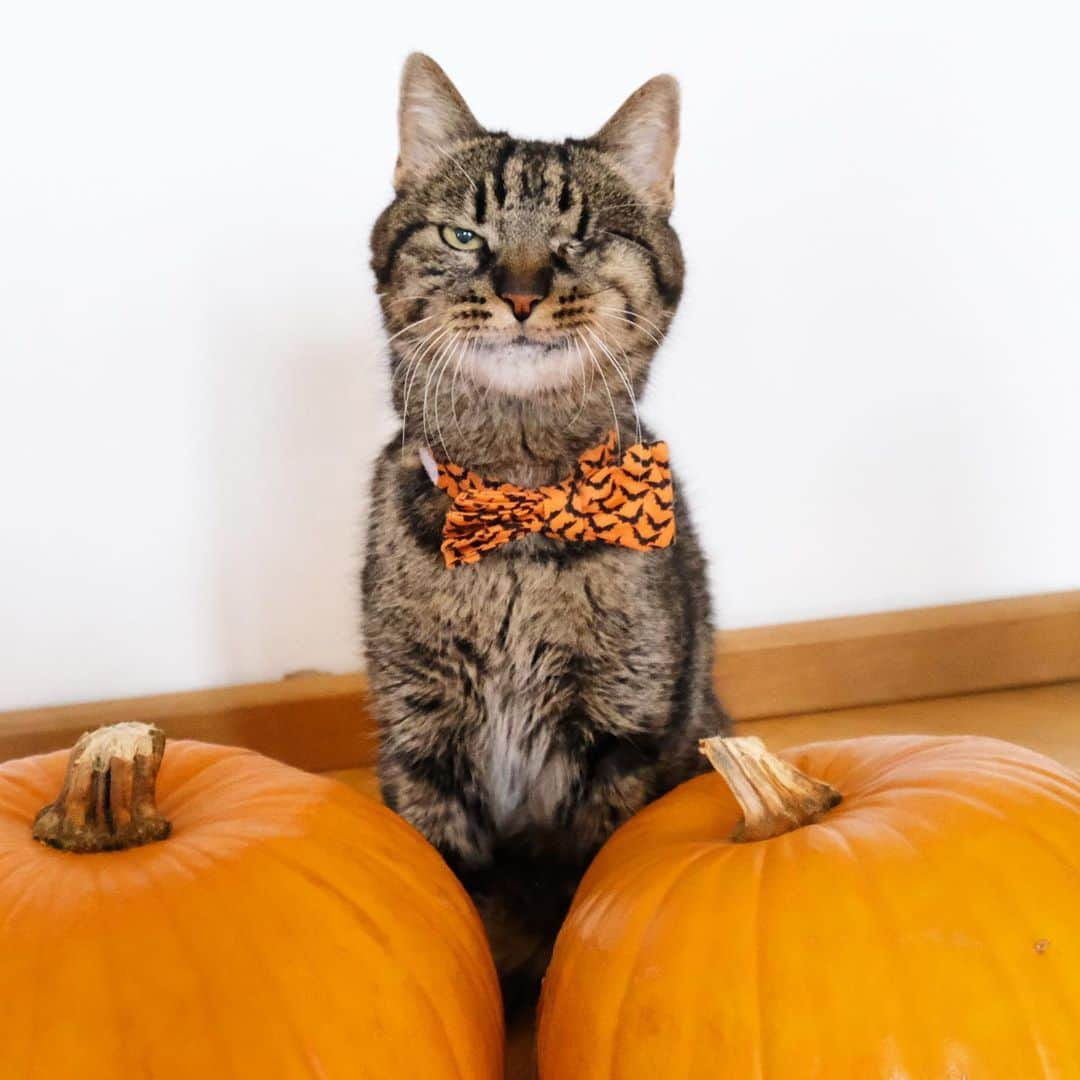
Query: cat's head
523,268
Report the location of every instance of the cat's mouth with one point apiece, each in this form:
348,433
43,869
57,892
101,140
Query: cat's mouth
522,364
523,342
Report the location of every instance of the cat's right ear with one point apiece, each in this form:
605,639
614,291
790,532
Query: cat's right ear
643,136
431,114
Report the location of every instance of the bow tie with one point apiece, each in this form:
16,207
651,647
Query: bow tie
625,499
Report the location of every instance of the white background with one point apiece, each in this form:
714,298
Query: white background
871,389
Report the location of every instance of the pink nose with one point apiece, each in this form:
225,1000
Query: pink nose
522,303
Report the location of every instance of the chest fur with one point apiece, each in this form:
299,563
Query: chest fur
537,661
523,772
560,656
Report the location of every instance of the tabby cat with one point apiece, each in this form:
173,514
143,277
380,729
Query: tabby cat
530,702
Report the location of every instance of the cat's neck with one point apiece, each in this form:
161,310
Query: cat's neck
525,441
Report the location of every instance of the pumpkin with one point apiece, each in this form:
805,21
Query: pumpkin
251,920
901,907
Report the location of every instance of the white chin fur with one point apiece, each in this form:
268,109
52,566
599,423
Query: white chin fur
524,369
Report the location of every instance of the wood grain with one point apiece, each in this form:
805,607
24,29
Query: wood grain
321,722
899,655
312,721
1044,718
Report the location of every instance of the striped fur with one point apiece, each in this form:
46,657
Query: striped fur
530,703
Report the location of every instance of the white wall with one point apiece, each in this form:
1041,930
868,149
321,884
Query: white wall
871,390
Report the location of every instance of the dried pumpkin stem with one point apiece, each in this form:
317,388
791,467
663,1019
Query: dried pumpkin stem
773,795
108,800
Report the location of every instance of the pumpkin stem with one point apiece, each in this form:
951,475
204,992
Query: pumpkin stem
774,796
107,802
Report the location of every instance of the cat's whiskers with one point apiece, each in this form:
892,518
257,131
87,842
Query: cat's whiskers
466,350
624,376
629,364
581,368
607,390
412,369
433,369
407,363
404,366
637,318
410,326
429,368
611,313
416,355
667,314
566,365
573,338
457,344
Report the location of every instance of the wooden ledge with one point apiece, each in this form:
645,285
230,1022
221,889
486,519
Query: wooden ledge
322,722
899,655
314,721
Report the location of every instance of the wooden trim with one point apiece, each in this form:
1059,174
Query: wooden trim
899,656
322,722
314,721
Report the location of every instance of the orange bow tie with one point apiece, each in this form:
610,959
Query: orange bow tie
629,502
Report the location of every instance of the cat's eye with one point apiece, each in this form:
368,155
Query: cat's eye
461,239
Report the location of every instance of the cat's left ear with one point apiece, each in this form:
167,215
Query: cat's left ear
431,115
643,136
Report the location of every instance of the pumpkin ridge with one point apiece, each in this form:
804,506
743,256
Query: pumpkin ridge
463,947
945,753
885,761
870,888
464,918
1019,773
203,775
27,887
240,822
880,771
370,928
679,876
602,903
924,854
292,785
190,842
169,851
378,939
990,956
46,903
467,918
239,926
26,788
759,1011
984,807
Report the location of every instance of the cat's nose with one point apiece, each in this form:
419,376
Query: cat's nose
522,303
523,289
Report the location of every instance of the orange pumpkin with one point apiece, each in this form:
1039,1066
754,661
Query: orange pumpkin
284,927
927,925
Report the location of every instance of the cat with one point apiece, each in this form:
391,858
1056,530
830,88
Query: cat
529,703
